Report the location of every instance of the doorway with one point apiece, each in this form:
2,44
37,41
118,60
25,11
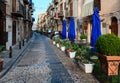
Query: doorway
1,28
114,26
14,33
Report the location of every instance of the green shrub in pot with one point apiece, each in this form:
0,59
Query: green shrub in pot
108,44
83,36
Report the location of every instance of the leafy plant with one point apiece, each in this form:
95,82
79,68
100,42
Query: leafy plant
84,52
78,52
108,44
57,40
2,47
67,44
74,47
83,36
62,42
54,38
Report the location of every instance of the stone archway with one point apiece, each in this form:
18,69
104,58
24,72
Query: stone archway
114,25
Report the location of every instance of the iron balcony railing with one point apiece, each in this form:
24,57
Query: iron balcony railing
26,1
18,12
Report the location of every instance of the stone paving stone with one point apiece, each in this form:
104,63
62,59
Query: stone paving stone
45,63
40,64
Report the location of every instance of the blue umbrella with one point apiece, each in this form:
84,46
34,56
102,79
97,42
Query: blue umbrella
71,32
96,32
64,29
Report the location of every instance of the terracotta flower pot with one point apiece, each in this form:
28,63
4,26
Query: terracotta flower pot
110,64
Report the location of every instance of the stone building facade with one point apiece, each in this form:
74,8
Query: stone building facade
82,11
18,21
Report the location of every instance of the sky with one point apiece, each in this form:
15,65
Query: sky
40,6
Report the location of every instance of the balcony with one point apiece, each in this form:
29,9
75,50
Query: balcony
88,6
26,18
33,19
30,2
32,10
26,1
17,14
60,14
30,6
3,1
56,2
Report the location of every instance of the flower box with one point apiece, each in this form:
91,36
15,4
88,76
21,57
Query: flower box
72,54
62,48
87,67
57,45
54,43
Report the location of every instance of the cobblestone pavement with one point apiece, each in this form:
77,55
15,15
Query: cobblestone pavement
44,63
77,74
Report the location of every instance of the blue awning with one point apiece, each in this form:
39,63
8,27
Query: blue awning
71,31
96,31
64,29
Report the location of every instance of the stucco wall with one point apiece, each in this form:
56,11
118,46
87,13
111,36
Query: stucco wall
109,10
108,6
9,30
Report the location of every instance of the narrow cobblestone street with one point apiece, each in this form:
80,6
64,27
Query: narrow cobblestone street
43,63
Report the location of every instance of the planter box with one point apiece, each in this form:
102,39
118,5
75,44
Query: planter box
87,67
1,64
54,43
72,54
109,64
57,45
84,41
62,48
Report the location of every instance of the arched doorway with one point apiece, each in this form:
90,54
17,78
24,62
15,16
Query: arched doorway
114,25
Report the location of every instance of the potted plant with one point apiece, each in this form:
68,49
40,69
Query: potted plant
57,42
83,55
62,45
108,46
73,48
88,66
83,38
67,46
54,40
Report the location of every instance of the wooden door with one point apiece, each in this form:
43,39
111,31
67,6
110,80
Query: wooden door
114,26
1,28
14,33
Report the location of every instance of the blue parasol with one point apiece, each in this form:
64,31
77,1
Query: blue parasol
64,29
96,32
71,31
